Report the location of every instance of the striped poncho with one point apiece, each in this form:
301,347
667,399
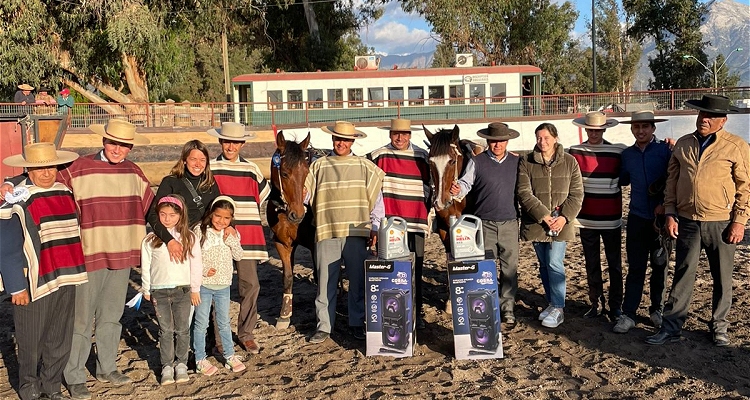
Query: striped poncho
113,200
343,191
52,251
602,197
406,184
244,183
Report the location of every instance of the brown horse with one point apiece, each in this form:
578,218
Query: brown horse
289,219
448,158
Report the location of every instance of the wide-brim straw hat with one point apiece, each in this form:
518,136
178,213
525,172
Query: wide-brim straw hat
119,131
401,125
713,103
345,130
42,154
25,87
595,120
498,131
643,116
231,131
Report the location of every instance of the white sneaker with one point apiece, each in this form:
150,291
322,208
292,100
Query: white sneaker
234,364
546,312
554,318
656,319
181,373
167,375
624,324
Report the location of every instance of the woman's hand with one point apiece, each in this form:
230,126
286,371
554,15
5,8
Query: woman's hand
558,223
195,298
175,251
211,272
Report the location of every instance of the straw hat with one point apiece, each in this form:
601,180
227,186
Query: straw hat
595,120
25,87
713,103
401,125
231,131
119,131
345,130
42,154
643,116
498,131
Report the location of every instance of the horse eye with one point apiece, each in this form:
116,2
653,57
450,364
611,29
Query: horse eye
284,175
452,162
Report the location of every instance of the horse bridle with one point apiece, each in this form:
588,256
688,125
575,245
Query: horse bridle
457,152
283,206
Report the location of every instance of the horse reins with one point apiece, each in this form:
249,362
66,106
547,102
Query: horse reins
457,153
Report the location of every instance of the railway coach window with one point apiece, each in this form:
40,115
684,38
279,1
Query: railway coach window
394,95
295,99
498,92
456,93
275,101
436,95
335,98
416,95
375,95
355,97
476,92
315,98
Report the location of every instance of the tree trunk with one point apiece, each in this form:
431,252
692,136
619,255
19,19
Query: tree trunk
312,21
135,78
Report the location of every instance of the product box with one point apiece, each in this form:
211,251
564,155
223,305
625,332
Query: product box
476,309
389,305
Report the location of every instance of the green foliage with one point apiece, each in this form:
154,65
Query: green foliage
444,56
723,77
675,27
617,54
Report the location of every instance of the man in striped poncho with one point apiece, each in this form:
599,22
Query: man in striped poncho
42,264
243,181
345,196
406,192
601,212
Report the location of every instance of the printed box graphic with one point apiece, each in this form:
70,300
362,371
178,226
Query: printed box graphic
475,306
390,307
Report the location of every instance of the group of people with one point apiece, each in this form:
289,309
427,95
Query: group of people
77,225
44,102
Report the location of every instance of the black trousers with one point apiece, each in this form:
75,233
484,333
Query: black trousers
592,254
416,244
44,332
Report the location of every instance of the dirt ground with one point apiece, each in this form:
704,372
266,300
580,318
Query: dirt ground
581,359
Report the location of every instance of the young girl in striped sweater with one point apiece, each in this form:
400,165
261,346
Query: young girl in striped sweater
220,244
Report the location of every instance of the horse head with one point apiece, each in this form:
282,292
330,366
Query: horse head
289,167
446,164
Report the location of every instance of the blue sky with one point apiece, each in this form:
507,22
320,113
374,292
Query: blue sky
397,32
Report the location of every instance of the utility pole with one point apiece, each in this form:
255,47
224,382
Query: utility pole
593,43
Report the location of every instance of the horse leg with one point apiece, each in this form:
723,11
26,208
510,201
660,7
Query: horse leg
286,253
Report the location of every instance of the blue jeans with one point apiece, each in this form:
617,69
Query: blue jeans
220,299
552,271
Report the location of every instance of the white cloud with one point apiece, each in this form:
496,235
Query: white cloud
397,32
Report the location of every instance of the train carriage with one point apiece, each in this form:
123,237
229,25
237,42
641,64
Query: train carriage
289,98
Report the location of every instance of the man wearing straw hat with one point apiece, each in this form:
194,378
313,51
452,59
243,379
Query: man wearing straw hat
243,181
23,95
113,197
42,264
600,218
644,168
492,177
706,202
345,194
406,192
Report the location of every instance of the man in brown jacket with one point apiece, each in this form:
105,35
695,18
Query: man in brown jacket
706,202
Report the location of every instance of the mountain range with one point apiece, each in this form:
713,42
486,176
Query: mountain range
727,27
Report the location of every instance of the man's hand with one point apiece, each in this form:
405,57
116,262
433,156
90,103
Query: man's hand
175,251
147,297
373,240
735,232
671,226
659,210
455,189
670,142
20,299
5,188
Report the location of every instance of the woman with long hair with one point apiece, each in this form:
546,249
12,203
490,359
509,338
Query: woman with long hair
550,191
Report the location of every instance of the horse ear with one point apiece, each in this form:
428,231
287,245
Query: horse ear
454,134
305,142
427,132
280,141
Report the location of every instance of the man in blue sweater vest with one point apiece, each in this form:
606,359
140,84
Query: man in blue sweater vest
491,176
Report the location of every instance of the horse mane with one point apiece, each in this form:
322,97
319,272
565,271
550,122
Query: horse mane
441,142
294,153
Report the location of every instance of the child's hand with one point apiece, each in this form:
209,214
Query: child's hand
229,231
195,298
